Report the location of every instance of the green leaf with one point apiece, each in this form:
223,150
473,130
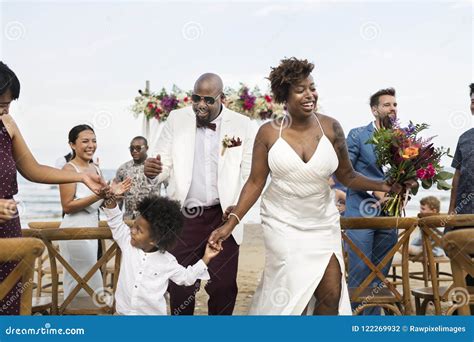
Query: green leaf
427,183
443,185
444,175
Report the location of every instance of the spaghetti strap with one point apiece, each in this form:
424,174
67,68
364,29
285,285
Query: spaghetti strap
320,126
281,125
74,166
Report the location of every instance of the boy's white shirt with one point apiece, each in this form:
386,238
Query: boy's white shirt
144,277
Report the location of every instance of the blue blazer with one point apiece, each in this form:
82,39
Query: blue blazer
364,161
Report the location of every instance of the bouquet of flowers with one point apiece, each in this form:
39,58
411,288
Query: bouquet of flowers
252,103
159,105
408,157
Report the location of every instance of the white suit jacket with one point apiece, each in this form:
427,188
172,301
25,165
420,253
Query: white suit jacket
175,145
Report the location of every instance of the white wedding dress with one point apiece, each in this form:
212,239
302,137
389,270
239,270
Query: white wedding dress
301,230
81,254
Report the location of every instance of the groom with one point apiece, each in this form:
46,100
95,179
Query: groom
206,178
374,243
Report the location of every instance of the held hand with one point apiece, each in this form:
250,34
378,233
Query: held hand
210,253
229,209
153,167
8,210
398,188
94,182
220,235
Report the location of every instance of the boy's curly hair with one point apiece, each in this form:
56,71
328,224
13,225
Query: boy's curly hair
165,219
290,71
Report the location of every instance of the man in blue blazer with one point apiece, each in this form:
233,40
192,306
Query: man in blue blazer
375,244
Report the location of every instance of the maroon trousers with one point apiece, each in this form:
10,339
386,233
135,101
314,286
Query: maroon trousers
222,287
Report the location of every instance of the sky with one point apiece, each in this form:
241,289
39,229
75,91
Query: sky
84,61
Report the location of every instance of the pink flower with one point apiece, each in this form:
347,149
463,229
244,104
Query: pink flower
427,173
421,173
430,171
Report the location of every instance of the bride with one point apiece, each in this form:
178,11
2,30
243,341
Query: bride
303,259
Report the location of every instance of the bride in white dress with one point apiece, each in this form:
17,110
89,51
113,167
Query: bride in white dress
303,259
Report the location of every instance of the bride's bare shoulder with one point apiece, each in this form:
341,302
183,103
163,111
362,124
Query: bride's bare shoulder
331,126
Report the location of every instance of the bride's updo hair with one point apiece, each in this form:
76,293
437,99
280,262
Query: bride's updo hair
290,71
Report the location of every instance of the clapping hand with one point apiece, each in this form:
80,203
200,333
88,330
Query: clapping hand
118,189
94,182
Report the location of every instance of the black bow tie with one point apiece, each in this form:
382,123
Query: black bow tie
209,125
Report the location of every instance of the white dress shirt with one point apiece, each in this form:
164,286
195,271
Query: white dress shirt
203,191
144,277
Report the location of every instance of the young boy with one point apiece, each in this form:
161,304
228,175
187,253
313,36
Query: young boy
428,205
146,266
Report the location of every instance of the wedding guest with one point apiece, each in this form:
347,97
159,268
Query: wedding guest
134,169
80,206
428,205
16,155
146,267
462,191
374,243
204,151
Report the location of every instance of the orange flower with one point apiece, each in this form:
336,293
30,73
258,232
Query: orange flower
410,152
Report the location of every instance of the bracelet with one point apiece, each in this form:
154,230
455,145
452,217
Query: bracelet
235,215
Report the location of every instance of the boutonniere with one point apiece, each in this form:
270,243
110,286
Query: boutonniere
228,142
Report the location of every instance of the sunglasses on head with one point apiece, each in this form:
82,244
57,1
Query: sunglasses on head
207,99
137,148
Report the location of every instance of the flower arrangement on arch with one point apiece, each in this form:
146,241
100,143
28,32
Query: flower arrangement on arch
243,100
408,156
159,105
252,103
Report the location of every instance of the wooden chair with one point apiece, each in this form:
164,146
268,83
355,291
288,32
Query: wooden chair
386,296
430,273
42,267
436,294
25,251
72,304
459,246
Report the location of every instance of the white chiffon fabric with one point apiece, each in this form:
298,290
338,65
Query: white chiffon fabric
301,230
81,254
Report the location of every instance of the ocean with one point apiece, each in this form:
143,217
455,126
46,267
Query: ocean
40,202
